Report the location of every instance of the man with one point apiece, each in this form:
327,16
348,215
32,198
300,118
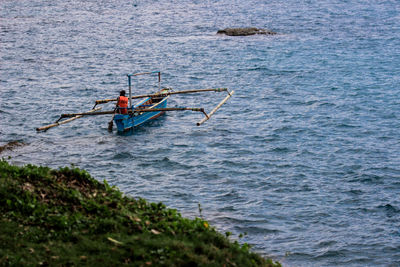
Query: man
122,103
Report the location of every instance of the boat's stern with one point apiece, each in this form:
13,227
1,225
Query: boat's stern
123,122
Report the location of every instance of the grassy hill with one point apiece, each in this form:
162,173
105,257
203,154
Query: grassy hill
65,217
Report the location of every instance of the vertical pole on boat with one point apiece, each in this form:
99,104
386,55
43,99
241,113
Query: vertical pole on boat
159,81
130,91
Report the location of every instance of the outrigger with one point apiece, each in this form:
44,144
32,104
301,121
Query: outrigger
150,107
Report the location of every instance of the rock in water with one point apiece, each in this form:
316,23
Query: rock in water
244,31
11,145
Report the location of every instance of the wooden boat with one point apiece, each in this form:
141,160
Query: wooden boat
150,106
125,122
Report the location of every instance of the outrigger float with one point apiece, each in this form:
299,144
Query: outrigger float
150,106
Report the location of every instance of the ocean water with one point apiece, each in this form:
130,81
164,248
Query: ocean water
304,158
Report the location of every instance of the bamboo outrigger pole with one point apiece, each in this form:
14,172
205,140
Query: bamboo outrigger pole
137,111
103,101
46,127
216,108
134,111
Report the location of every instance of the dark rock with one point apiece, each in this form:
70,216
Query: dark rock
244,31
11,145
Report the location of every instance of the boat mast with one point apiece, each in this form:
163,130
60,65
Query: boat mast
159,81
130,91
137,74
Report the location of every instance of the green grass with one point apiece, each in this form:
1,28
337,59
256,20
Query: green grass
66,218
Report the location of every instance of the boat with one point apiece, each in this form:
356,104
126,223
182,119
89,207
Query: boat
151,106
125,122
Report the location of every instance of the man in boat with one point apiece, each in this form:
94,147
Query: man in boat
122,103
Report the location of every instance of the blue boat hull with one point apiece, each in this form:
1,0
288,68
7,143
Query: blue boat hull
125,122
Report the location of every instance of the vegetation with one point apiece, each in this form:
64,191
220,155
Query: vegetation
65,217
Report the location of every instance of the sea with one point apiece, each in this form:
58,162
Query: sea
302,162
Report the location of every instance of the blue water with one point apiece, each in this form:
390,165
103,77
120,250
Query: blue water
304,158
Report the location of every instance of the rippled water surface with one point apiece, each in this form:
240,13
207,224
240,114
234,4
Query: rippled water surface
304,158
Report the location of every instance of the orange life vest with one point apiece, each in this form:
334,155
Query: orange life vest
123,104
